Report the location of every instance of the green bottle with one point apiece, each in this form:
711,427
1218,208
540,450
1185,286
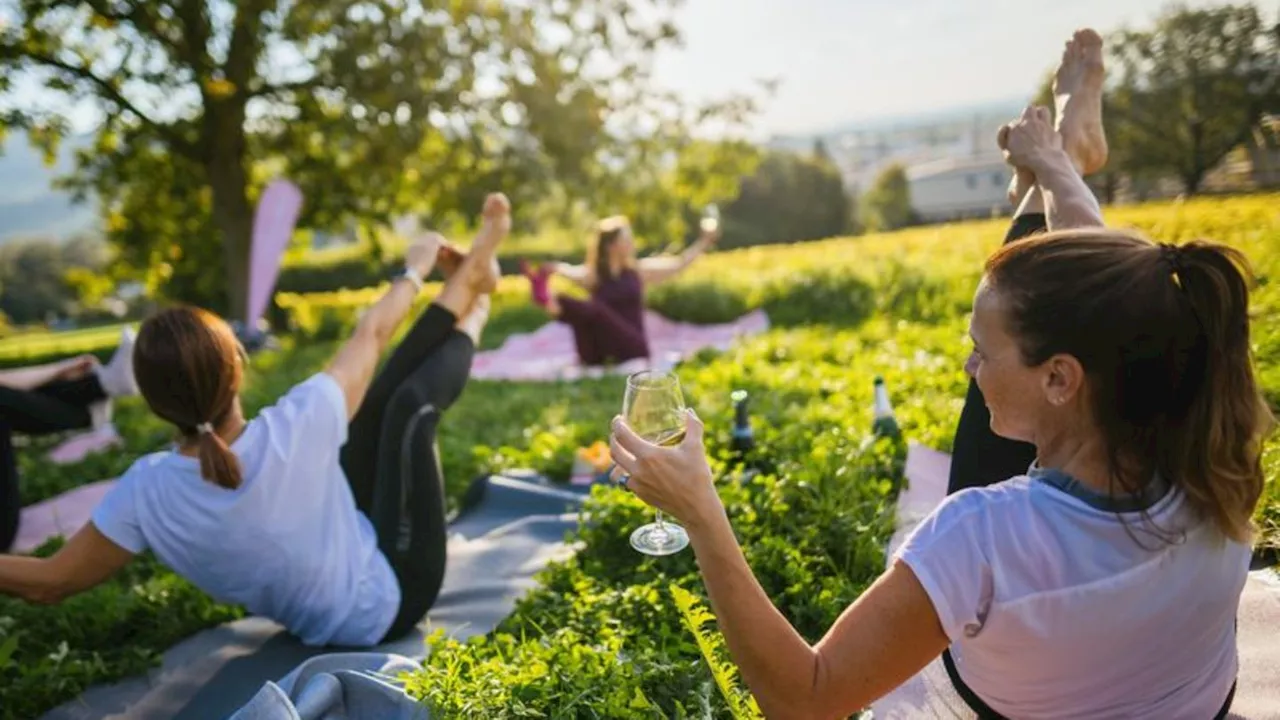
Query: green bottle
884,424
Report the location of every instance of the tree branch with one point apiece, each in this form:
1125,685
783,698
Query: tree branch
107,90
245,44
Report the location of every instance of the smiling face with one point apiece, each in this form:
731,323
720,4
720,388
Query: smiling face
1026,402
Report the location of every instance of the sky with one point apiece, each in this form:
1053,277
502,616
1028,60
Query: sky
841,61
850,60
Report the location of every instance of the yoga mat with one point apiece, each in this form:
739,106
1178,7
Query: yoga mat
61,515
272,226
548,353
510,529
929,694
81,445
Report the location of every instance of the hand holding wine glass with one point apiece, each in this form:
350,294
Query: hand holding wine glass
659,445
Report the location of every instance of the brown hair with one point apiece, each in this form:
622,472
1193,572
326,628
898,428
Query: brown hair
607,233
1162,332
187,362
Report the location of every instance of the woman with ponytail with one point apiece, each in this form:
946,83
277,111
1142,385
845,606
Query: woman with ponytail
325,512
1100,582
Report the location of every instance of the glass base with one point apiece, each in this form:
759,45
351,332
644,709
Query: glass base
667,539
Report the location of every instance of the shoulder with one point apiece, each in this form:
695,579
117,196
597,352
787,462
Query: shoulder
318,393
313,411
973,506
145,468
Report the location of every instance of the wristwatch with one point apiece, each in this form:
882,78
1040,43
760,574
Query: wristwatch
412,276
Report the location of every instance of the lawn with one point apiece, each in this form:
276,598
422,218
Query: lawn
612,633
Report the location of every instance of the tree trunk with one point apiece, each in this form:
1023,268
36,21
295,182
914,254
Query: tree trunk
232,212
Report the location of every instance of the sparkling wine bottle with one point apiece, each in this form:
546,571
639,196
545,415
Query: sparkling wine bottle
883,424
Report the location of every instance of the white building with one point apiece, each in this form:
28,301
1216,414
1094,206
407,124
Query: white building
957,188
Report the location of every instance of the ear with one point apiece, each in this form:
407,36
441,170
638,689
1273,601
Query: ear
1063,380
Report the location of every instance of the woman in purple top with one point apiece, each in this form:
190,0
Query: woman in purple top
608,327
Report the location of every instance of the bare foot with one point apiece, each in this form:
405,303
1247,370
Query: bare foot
481,263
1077,99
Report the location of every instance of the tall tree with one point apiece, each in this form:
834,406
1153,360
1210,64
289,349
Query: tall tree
374,107
1191,89
789,197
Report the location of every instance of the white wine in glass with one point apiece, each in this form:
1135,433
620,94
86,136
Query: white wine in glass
654,409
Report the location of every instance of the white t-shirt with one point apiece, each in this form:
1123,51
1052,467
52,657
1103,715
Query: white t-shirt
1055,610
288,544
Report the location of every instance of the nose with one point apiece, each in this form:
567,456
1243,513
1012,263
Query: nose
971,365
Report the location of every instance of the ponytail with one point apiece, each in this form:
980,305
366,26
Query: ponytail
1213,450
1162,332
188,365
218,464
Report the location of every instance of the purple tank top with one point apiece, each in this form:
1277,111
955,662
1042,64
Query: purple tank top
624,294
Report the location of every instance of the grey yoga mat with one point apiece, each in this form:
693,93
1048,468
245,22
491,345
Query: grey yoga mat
510,528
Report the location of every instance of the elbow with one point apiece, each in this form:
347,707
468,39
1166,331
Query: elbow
812,700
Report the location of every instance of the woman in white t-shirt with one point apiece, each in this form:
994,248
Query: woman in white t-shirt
1104,583
326,511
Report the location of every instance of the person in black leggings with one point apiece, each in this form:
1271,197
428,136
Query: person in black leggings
57,397
326,511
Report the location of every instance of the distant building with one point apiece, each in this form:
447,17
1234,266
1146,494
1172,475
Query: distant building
958,188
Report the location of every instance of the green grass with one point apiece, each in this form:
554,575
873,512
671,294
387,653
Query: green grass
605,635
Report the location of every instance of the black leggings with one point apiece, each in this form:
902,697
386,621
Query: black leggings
53,407
979,457
392,463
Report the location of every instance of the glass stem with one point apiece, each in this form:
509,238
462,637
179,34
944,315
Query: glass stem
662,527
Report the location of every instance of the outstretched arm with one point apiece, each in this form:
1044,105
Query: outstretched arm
577,274
879,642
354,365
664,267
87,560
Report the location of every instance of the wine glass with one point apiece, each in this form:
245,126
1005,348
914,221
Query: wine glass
654,409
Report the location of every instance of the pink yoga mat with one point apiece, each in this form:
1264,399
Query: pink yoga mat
548,353
79,446
62,515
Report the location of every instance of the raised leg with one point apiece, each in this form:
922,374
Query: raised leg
84,392
34,413
359,457
408,510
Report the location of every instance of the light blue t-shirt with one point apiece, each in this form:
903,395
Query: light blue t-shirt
288,544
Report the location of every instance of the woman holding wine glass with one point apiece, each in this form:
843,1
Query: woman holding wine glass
608,327
1102,583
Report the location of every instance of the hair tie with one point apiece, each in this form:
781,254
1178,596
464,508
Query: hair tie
205,428
1172,256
